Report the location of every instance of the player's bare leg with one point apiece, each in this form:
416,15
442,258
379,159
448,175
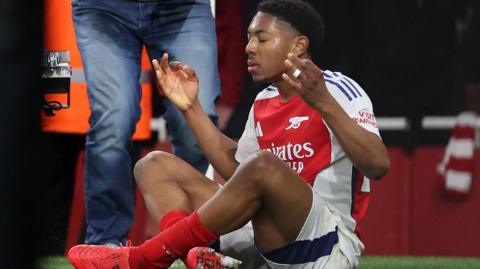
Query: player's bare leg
263,189
169,183
266,191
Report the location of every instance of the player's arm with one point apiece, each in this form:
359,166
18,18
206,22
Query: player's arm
219,149
179,83
365,149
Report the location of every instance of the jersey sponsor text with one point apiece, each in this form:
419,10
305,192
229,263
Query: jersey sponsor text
366,117
292,154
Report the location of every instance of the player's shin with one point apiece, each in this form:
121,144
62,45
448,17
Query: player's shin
174,242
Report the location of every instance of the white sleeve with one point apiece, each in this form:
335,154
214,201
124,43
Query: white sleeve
354,101
248,143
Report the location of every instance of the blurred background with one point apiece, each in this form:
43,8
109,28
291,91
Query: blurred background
419,61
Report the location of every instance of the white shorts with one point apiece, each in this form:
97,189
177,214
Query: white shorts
323,242
240,245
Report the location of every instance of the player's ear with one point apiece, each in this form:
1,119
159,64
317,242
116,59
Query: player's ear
300,45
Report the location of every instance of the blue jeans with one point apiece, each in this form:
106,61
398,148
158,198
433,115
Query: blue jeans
110,35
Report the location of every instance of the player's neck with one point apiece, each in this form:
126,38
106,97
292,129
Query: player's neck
285,90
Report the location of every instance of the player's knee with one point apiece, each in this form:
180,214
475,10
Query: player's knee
262,164
150,162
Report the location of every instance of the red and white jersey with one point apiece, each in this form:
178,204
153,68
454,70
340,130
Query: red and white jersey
297,134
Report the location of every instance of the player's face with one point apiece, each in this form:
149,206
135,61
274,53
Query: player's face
269,42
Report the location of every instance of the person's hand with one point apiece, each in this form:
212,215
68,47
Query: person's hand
177,81
307,80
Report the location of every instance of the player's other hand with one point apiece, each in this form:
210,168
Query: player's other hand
307,80
177,81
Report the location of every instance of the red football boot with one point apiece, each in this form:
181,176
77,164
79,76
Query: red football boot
207,258
99,257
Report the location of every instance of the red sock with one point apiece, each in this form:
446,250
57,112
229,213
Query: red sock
171,218
172,243
137,260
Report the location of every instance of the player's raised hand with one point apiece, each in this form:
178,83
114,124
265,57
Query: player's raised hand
177,81
306,79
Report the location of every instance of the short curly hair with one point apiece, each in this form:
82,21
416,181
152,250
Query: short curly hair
301,16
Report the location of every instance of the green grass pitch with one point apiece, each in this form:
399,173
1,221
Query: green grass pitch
370,262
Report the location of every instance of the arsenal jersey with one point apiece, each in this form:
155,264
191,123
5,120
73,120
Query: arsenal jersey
297,134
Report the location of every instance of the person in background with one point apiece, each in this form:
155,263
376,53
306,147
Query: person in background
63,135
110,36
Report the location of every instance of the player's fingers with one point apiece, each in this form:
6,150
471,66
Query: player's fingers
189,71
293,71
156,65
297,62
164,63
184,74
176,65
312,69
159,81
182,68
309,70
159,72
288,64
297,85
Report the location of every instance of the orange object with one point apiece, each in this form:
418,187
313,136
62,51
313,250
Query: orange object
59,35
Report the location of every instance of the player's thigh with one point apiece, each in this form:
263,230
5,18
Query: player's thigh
158,169
321,225
286,197
196,185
